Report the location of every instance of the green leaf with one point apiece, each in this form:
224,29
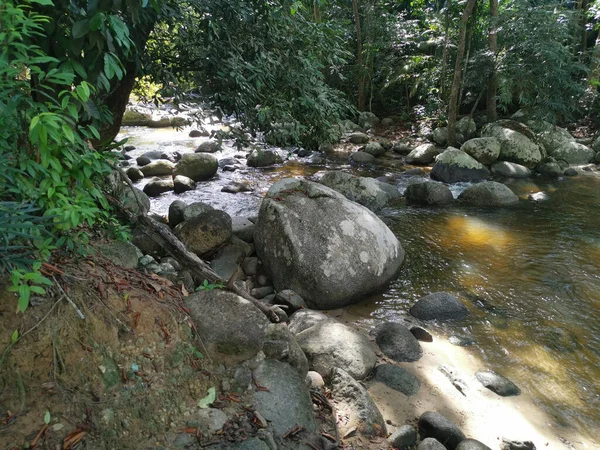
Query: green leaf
209,399
24,295
80,29
43,2
37,290
47,417
14,337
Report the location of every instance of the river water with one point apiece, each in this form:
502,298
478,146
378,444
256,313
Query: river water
529,274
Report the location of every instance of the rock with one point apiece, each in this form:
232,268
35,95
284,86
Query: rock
386,122
286,402
142,160
162,122
497,383
488,193
206,232
403,438
199,133
467,127
134,200
361,158
314,380
374,148
461,340
250,266
243,228
421,334
228,162
331,344
210,420
175,215
402,148
485,150
356,411
367,119
262,292
303,229
510,170
197,166
303,319
433,424
289,298
235,187
281,345
158,167
183,184
549,168
134,174
358,138
439,306
227,259
472,444
440,136
133,118
349,126
195,209
508,444
120,253
428,194
397,378
208,147
397,342
570,172
158,186
430,444
517,142
263,158
423,154
229,326
454,166
553,138
416,172
368,192
574,153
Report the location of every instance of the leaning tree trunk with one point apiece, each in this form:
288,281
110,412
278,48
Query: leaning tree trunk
453,106
492,87
360,70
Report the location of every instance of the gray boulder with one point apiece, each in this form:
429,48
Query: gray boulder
439,306
158,186
367,119
369,192
510,170
454,165
472,444
263,158
158,167
280,344
358,138
517,142
289,298
361,158
199,133
228,258
305,318
197,166
303,230
403,438
433,424
488,193
195,209
397,342
133,200
553,138
466,126
485,150
397,378
440,136
183,184
175,214
206,232
162,122
208,147
133,118
374,148
430,444
574,153
229,326
402,148
243,228
134,174
331,344
497,383
356,411
120,253
550,167
423,154
428,194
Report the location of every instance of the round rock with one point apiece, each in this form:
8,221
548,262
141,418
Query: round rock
374,148
158,186
205,232
485,150
134,174
497,383
358,138
303,319
435,425
488,193
510,170
430,444
197,166
428,194
403,438
397,342
439,306
158,168
183,184
453,166
208,147
397,378
361,158
423,154
472,444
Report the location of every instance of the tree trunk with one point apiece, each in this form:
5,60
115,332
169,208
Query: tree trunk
466,66
445,54
492,87
453,106
316,11
360,70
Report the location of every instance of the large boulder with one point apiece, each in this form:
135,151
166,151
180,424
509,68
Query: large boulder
397,342
158,168
329,250
133,118
574,153
358,138
367,119
454,165
488,193
374,148
466,126
423,154
157,186
486,150
197,166
553,138
332,344
433,424
517,142
510,170
206,232
263,158
369,192
440,136
305,318
428,194
281,345
229,326
439,306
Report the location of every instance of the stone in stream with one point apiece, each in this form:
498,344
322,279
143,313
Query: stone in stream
440,136
208,147
367,119
158,167
508,444
307,231
374,148
289,298
134,174
133,118
280,344
197,166
485,150
195,209
510,170
421,334
402,148
331,344
430,444
462,340
361,158
423,154
472,444
403,438
199,133
157,186
574,153
439,306
206,232
303,319
453,166
397,378
497,383
428,194
355,409
397,342
358,138
243,228
142,160
488,193
517,142
175,214
262,158
570,172
183,184
435,425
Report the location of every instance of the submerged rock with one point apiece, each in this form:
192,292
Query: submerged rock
497,383
435,425
439,306
488,193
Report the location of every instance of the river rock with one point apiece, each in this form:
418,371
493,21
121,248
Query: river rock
197,166
206,232
553,138
454,166
228,325
374,148
303,319
517,142
158,167
263,158
210,420
485,150
497,383
162,122
133,118
349,126
397,378
402,148
430,444
440,136
439,306
331,344
134,174
510,170
574,153
142,160
428,194
286,402
423,154
356,411
175,214
195,209
403,438
397,342
488,193
472,444
157,186
508,444
280,344
199,133
358,138
314,380
120,253
183,184
387,121
289,298
209,146
226,261
466,126
361,158
369,192
433,424
367,119
303,230
243,228
421,334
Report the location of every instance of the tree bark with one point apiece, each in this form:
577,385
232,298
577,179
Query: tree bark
445,53
360,70
492,87
453,106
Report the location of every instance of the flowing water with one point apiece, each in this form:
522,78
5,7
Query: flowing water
530,274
